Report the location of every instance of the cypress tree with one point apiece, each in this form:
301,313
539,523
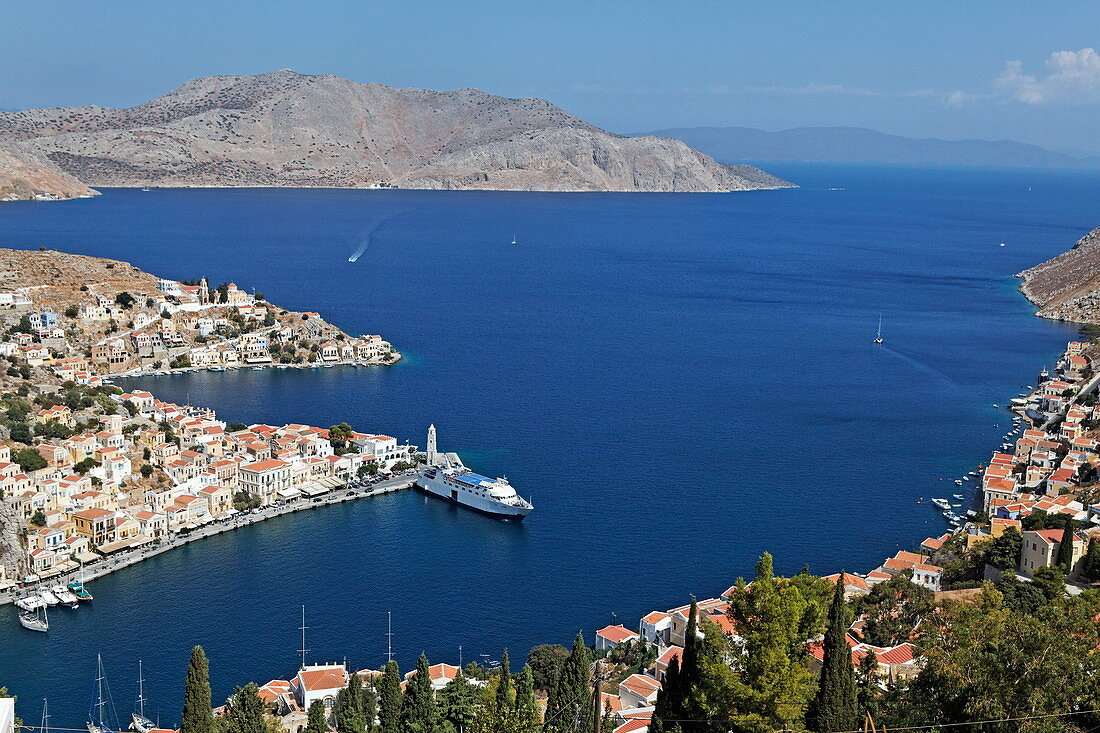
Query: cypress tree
570,706
389,690
246,713
834,706
196,716
527,710
368,703
504,686
348,708
418,711
1092,560
664,710
1065,547
458,702
316,722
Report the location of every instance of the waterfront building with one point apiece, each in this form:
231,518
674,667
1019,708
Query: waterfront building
610,637
265,478
319,682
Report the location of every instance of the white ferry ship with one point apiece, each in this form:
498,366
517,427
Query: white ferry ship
446,477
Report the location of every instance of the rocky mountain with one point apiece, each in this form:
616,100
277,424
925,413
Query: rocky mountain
1067,287
859,145
27,174
290,129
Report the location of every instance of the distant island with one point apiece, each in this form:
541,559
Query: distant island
289,129
859,145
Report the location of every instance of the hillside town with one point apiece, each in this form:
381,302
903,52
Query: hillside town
88,471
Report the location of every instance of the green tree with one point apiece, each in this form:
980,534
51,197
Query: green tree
146,470
1065,547
316,722
196,716
369,706
246,711
389,691
774,618
29,459
458,702
124,299
893,608
868,691
1091,565
21,432
527,709
1051,581
987,662
419,713
569,706
1001,552
834,706
545,660
348,709
38,519
504,686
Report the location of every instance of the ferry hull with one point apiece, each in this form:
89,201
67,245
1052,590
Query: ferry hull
436,488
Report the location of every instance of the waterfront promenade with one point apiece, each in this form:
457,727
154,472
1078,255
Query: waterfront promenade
110,564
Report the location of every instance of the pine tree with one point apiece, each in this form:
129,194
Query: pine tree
834,706
418,711
569,708
1065,547
196,716
389,691
246,712
316,722
527,709
504,686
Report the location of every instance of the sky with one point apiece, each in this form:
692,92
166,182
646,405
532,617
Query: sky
977,69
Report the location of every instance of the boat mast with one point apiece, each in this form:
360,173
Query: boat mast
45,727
141,692
303,628
389,636
99,686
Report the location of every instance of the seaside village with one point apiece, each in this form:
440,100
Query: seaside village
90,473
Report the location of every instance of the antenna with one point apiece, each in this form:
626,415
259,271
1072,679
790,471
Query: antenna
389,636
303,628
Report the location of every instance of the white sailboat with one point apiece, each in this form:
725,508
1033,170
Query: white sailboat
37,620
878,337
97,713
513,238
138,722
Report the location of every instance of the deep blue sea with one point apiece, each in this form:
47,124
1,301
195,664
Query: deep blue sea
679,382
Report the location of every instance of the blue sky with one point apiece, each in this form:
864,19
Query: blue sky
1019,70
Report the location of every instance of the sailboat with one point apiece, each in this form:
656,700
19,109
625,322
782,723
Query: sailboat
96,722
36,620
138,722
513,238
45,727
878,338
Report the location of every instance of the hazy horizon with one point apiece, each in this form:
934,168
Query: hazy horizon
986,70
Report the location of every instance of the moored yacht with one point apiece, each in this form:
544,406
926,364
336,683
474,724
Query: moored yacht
445,476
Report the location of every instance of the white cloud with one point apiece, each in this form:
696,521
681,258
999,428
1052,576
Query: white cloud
1072,76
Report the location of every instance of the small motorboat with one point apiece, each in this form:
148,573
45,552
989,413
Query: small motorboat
64,596
942,503
960,497
48,597
958,482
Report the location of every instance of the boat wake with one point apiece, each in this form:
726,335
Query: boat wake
918,364
365,237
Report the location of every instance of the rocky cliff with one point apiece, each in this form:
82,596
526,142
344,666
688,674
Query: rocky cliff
290,129
1067,287
27,174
